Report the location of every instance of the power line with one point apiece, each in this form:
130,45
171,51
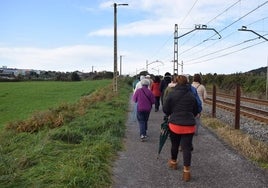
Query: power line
227,25
227,9
224,11
188,12
223,49
241,18
210,38
229,35
171,36
226,54
257,21
162,46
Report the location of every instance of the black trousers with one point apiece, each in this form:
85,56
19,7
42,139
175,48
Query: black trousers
157,102
185,140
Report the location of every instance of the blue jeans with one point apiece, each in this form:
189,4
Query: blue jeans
143,121
197,124
134,113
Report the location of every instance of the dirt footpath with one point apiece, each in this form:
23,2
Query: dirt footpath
214,164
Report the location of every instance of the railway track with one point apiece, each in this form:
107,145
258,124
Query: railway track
243,99
247,108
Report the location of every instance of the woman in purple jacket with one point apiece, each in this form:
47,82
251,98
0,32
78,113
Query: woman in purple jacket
144,99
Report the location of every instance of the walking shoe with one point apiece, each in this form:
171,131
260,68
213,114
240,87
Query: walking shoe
173,164
143,138
186,176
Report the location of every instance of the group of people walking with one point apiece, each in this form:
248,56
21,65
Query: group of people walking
181,102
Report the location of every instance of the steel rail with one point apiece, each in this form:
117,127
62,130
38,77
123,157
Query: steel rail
253,113
243,99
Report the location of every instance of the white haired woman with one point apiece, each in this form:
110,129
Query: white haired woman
144,99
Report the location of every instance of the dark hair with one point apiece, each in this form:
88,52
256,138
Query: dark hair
174,77
157,79
197,78
181,80
167,74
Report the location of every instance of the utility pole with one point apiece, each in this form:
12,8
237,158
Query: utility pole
175,61
176,38
244,28
115,46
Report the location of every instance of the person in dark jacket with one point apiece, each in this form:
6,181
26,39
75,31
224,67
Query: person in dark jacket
181,107
163,85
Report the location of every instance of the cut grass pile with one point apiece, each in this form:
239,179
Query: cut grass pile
75,153
249,147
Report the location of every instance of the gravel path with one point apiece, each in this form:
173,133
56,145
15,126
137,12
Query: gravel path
214,164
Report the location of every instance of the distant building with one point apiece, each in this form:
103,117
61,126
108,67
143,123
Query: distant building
12,73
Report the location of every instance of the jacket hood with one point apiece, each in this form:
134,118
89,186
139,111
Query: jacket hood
172,84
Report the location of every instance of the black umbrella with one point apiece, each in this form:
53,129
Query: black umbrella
163,134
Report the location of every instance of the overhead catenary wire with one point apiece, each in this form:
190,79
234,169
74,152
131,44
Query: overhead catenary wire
240,18
261,19
229,26
221,50
226,26
223,29
171,36
188,13
229,35
224,11
226,54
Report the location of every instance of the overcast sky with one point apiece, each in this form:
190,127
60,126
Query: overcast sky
70,35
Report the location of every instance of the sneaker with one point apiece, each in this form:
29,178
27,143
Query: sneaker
143,138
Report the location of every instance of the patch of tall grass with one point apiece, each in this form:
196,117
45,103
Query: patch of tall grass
77,153
245,144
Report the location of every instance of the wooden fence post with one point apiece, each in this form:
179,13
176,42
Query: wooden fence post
237,106
214,102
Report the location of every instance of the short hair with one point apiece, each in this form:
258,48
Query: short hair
157,79
145,82
181,80
174,77
167,74
197,78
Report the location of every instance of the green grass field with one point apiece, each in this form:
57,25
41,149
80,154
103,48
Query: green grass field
70,145
21,99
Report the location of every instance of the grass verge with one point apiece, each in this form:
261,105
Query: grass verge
249,147
77,152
